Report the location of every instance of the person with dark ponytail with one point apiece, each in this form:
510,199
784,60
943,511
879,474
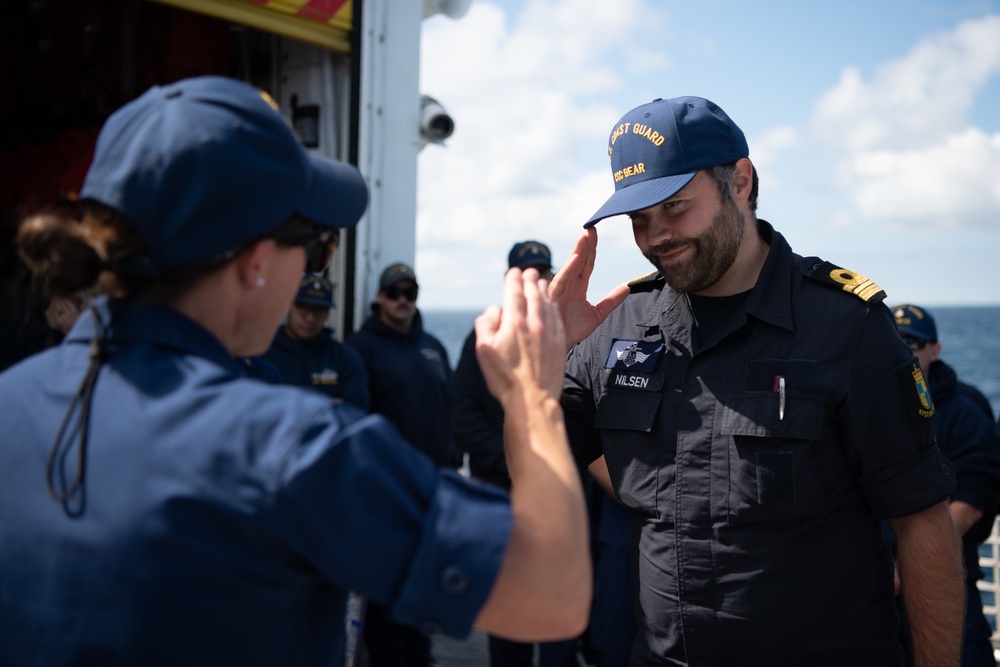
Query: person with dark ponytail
160,507
31,319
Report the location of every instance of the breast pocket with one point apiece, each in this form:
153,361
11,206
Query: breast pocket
773,464
632,449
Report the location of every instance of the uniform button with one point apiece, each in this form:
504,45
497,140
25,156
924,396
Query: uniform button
946,469
454,580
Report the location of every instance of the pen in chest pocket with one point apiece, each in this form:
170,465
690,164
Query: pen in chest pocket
779,386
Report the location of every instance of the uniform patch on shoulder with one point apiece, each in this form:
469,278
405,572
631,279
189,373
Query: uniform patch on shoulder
916,394
849,281
646,283
638,356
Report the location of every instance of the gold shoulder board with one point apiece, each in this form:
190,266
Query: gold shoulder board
849,281
645,283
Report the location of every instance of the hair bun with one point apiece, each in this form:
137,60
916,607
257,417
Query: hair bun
57,251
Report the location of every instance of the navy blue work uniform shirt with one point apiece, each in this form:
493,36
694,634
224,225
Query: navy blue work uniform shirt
409,379
224,519
967,437
755,528
322,364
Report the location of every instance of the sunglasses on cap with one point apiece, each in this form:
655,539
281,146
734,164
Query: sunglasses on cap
320,242
394,293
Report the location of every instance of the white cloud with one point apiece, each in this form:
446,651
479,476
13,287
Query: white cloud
955,184
534,94
909,152
526,159
918,100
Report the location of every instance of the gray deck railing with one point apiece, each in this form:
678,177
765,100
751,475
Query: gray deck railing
989,586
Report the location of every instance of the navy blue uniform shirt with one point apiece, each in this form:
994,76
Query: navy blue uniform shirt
755,530
225,519
322,364
409,380
970,442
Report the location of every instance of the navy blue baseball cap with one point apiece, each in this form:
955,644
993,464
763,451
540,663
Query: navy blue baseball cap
396,273
527,254
657,148
207,164
315,290
915,322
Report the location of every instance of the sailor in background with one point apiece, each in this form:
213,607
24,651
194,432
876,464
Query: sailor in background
965,433
409,378
306,353
477,418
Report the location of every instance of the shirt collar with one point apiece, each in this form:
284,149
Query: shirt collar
156,324
770,299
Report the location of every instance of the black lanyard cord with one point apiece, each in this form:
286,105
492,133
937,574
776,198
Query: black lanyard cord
73,495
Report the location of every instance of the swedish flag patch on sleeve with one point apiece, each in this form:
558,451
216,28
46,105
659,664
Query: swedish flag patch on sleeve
916,393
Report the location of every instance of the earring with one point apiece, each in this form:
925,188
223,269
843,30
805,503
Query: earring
260,281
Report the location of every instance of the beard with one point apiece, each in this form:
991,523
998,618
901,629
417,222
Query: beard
715,251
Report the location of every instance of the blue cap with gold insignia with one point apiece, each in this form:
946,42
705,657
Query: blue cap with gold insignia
527,254
657,148
915,322
395,273
315,290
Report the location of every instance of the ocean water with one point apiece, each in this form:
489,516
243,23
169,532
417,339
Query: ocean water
970,343
450,327
970,340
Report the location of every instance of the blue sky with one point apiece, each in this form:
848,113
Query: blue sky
875,127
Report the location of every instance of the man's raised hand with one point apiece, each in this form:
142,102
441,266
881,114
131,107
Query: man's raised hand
569,291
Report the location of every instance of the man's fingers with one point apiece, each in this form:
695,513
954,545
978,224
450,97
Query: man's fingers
574,275
588,252
612,300
584,254
586,243
567,283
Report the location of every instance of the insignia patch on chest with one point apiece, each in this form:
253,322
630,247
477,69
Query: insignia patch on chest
431,354
325,376
916,393
639,356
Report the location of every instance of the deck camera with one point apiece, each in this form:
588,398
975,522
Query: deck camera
436,124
